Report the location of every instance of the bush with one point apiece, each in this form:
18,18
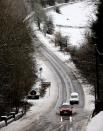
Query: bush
84,59
60,40
49,26
57,9
66,1
51,2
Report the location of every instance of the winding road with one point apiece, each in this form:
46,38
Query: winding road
67,83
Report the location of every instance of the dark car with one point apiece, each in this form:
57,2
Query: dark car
33,94
65,109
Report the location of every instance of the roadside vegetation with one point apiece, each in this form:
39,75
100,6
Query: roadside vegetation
84,59
45,3
40,16
57,9
61,41
97,31
17,67
89,57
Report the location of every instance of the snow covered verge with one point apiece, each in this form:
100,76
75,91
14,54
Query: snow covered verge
96,123
68,18
69,26
41,105
89,99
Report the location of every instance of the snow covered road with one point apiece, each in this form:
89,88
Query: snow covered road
51,121
43,116
67,82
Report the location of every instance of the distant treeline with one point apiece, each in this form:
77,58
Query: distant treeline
53,2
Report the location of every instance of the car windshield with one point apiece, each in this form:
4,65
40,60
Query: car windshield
74,96
65,106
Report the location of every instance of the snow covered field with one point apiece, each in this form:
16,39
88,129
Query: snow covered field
75,18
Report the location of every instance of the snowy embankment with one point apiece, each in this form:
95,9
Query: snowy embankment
72,22
96,123
74,16
39,106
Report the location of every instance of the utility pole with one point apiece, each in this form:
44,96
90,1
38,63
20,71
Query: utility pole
40,69
97,82
97,75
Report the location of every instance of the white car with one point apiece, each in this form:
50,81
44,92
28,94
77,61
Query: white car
74,98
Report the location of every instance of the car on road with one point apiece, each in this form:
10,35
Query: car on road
74,98
65,109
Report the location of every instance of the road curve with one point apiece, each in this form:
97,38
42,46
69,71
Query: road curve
67,82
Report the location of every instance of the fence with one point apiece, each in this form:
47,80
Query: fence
5,120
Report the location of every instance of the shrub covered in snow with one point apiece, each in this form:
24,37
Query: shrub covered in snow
50,25
60,40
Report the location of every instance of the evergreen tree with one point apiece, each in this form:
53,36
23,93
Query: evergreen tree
51,2
17,68
97,28
97,36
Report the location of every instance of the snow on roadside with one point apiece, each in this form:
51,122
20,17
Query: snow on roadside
47,41
74,16
96,123
39,106
89,99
